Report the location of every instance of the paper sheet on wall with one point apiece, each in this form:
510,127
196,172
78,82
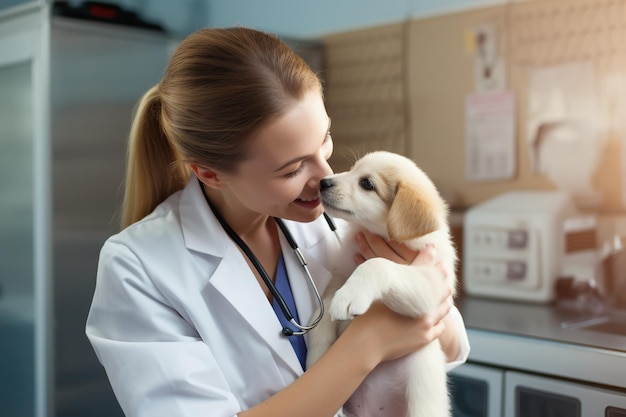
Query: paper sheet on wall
563,126
490,136
489,65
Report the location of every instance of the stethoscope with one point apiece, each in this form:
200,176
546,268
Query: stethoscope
266,279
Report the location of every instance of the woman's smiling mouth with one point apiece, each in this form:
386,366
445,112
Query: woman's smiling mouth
308,203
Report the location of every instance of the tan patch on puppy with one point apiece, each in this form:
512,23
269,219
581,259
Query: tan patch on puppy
411,215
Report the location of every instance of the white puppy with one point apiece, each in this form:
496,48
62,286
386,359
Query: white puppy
389,195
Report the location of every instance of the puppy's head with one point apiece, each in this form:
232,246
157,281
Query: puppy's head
387,194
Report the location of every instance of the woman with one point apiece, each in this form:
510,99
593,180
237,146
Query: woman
181,319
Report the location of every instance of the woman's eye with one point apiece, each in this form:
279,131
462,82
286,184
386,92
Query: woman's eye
367,184
294,173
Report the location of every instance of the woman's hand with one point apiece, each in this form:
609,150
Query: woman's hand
428,327
372,245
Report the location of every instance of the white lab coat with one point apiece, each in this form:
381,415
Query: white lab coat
180,323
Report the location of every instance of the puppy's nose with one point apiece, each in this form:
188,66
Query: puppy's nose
326,183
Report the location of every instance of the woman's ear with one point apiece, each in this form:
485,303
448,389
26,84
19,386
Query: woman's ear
208,176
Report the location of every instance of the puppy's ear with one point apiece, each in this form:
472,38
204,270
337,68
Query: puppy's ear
412,214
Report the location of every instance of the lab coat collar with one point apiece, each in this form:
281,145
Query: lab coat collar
198,222
233,273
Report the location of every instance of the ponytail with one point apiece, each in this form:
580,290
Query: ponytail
153,171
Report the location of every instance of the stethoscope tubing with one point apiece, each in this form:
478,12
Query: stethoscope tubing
265,277
279,298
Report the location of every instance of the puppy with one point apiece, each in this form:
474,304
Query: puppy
389,195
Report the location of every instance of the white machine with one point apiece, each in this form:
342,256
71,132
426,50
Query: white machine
517,244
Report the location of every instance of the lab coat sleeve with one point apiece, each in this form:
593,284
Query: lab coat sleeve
155,361
457,321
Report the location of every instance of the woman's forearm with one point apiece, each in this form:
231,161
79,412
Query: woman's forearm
376,336
326,386
449,339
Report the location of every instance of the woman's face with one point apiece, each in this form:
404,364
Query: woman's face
288,159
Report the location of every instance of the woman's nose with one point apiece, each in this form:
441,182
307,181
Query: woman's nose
322,170
322,167
326,169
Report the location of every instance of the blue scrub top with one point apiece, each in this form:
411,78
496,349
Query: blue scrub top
284,288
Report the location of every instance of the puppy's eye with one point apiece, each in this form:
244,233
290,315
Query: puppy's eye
367,184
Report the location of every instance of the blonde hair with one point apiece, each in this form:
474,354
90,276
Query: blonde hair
220,87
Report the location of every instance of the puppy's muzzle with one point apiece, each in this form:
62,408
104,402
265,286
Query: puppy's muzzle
330,196
326,183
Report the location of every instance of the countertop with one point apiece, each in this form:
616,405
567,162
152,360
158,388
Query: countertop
531,337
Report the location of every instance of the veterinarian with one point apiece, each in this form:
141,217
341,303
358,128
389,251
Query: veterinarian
235,135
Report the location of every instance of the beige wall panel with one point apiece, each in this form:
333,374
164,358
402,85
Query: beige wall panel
441,75
366,92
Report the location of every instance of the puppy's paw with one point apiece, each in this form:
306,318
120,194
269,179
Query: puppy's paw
348,303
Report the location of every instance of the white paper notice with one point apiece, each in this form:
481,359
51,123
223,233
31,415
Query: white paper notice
489,70
490,136
564,127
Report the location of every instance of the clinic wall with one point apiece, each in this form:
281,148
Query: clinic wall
323,17
290,18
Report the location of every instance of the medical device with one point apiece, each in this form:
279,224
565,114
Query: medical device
519,243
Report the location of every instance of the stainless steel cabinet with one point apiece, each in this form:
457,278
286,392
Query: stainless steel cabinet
97,74
24,218
476,391
528,395
67,93
479,390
